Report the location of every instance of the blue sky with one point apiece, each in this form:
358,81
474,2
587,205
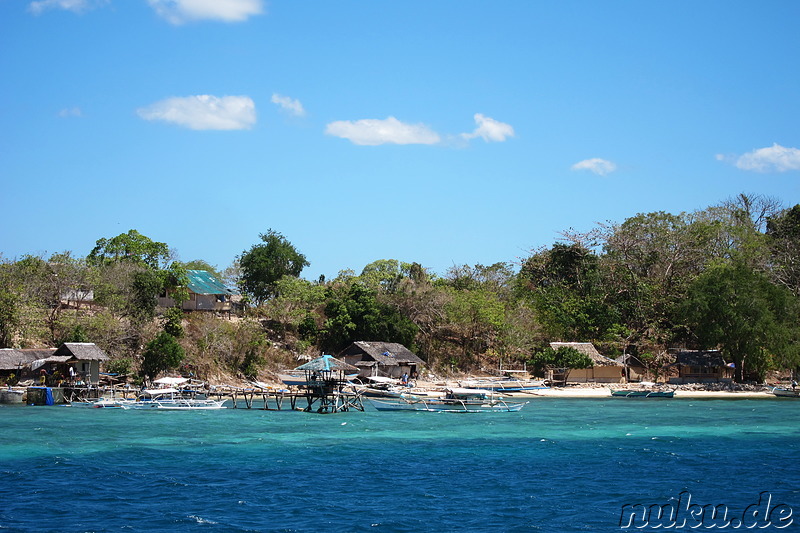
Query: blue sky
445,132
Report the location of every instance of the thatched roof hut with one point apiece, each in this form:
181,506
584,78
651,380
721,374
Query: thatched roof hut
381,358
82,351
13,358
587,348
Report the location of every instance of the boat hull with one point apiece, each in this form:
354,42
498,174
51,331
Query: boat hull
444,405
786,393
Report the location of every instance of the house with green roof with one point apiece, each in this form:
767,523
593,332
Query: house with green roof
206,293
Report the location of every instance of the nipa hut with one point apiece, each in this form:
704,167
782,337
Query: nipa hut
605,369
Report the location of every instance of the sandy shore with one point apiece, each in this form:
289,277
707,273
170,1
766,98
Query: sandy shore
579,392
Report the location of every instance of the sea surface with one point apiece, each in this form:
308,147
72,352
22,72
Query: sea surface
557,465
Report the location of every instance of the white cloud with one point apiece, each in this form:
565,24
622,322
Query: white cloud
181,11
76,6
70,112
601,167
490,129
204,112
290,105
775,158
375,131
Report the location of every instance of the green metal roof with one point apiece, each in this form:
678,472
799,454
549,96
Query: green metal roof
202,282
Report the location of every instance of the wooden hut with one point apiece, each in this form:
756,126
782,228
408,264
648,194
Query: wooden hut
388,359
18,362
84,357
604,369
206,293
702,366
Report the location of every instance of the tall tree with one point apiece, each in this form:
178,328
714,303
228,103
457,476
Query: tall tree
735,308
783,233
353,313
132,247
264,264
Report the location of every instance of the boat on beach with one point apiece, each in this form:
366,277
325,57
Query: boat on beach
455,400
625,393
504,384
786,393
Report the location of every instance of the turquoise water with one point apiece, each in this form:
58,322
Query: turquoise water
558,465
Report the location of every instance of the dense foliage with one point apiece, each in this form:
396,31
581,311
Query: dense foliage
723,277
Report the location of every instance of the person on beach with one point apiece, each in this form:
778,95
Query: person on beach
404,379
794,384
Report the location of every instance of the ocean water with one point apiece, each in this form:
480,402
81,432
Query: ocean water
557,465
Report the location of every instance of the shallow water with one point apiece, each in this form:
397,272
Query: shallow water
558,465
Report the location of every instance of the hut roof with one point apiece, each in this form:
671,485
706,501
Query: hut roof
707,358
587,348
82,351
203,282
327,363
12,359
384,353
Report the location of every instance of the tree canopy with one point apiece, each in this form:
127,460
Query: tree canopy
266,263
131,246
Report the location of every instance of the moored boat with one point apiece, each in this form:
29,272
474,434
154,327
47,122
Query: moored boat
170,399
455,400
786,393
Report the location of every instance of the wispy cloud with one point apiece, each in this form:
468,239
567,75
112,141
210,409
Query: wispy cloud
375,131
70,112
204,112
489,129
76,6
601,167
291,106
182,11
775,158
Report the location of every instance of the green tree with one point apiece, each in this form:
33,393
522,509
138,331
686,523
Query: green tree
565,286
733,307
354,314
131,247
264,264
161,354
783,233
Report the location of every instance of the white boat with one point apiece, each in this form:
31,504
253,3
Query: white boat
171,399
504,384
455,400
102,403
786,393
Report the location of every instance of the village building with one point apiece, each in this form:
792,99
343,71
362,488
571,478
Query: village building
702,366
388,359
84,358
72,362
632,368
206,293
17,362
604,369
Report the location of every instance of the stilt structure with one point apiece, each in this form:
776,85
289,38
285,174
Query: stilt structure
326,384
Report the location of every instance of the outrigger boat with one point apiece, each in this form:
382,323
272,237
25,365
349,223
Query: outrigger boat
786,393
170,399
643,393
455,400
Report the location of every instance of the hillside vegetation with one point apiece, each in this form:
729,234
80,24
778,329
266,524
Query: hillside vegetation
724,277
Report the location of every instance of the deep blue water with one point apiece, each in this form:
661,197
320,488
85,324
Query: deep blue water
558,465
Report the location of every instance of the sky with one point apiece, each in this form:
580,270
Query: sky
444,132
